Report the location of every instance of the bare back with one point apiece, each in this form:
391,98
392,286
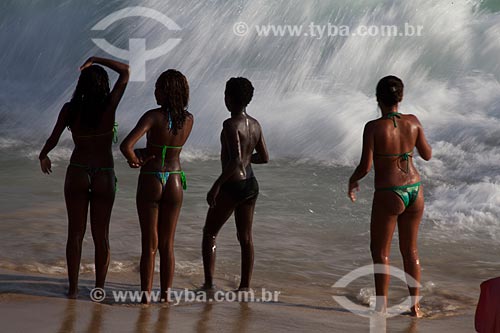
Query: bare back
93,147
155,124
240,137
392,143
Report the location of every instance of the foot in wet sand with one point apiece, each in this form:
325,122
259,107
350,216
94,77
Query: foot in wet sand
416,312
72,293
207,287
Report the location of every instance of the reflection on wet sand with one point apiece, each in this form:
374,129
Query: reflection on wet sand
145,323
143,320
162,322
70,317
95,323
240,322
412,328
202,324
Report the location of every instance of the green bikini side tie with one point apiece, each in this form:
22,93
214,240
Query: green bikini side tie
393,116
115,132
183,178
404,157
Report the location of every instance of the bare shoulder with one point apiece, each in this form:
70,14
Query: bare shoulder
369,126
256,128
152,113
233,124
64,114
189,117
413,119
151,116
229,123
255,121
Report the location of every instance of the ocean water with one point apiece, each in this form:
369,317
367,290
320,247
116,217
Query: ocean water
312,98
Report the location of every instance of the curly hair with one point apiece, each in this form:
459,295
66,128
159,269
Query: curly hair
89,98
174,86
240,89
390,90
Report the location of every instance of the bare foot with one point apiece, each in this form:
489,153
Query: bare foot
381,305
244,294
165,297
207,287
416,312
145,299
209,290
72,293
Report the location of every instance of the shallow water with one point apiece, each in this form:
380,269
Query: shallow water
307,235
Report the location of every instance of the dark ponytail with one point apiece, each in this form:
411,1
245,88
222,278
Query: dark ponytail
390,90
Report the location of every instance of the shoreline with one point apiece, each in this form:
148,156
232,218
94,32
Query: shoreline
24,306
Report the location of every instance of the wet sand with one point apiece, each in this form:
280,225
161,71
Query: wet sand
37,303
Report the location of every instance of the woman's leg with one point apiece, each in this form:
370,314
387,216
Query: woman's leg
170,208
243,215
76,194
408,224
385,210
216,217
149,191
102,197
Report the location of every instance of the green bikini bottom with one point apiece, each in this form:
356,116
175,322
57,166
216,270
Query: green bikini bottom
162,176
407,193
92,171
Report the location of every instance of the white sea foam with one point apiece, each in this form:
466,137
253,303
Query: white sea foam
467,210
185,268
6,143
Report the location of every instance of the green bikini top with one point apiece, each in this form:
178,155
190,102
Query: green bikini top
404,156
164,151
165,147
393,116
114,131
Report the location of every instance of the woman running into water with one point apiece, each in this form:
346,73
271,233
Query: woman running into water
161,180
236,189
399,197
90,179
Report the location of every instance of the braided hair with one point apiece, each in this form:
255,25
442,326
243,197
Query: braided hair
90,97
174,87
